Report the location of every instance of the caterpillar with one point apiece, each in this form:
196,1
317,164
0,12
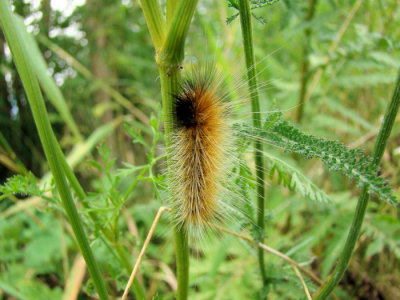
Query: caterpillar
210,177
199,148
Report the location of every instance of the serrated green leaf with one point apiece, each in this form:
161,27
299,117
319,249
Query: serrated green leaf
336,156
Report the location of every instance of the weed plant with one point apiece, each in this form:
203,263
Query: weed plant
108,219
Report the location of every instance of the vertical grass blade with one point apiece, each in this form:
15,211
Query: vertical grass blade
354,232
48,84
245,21
305,61
31,86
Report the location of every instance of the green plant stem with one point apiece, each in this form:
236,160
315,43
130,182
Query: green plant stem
169,87
172,51
155,22
169,60
169,84
182,263
171,6
47,83
76,186
379,149
305,61
137,287
245,21
46,135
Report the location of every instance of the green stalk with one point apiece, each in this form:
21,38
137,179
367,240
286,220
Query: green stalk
172,52
182,263
245,21
169,60
352,237
47,82
46,135
305,63
169,77
169,85
155,22
76,186
171,6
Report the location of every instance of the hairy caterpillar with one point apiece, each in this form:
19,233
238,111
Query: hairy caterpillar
208,167
199,151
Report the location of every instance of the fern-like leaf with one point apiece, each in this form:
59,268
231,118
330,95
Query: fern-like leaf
261,3
295,180
24,185
333,154
260,19
230,19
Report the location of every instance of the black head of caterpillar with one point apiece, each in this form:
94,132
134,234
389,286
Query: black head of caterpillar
197,95
185,111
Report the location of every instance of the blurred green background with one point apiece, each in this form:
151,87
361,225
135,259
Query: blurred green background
101,60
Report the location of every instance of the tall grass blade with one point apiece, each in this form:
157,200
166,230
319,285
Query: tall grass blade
31,86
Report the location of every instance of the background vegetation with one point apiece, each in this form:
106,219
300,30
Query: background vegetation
330,66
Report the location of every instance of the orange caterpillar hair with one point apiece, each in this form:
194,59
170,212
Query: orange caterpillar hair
198,153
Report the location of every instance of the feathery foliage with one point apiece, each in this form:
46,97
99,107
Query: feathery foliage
285,173
335,155
22,185
294,179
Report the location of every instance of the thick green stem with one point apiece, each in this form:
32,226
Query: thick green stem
380,145
182,263
245,21
169,60
305,63
172,52
47,138
155,22
171,6
169,78
169,85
